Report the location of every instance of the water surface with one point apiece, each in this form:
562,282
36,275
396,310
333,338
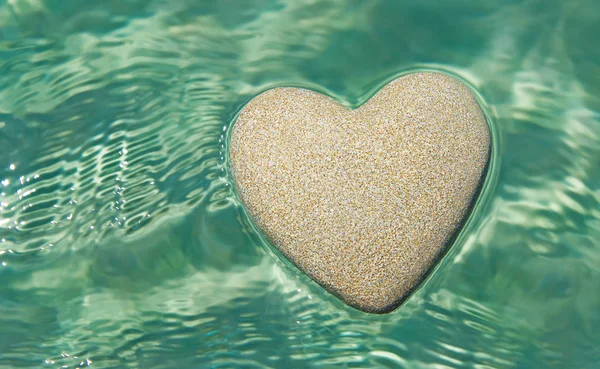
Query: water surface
121,244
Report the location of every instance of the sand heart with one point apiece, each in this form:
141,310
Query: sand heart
364,201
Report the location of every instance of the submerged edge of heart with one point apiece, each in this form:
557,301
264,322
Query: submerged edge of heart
364,201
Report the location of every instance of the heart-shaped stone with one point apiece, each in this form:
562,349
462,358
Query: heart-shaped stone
364,201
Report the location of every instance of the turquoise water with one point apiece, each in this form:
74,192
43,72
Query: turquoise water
121,244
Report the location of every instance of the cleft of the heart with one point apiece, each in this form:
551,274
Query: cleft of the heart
363,201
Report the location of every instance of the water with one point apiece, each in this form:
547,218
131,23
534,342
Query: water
121,244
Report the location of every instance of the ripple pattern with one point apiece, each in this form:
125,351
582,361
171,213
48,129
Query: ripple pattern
122,244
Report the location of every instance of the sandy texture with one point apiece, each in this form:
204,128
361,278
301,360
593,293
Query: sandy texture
363,201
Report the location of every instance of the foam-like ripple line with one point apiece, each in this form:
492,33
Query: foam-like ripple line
99,171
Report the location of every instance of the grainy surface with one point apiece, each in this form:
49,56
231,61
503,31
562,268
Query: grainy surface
364,200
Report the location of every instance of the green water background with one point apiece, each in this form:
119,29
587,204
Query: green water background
121,245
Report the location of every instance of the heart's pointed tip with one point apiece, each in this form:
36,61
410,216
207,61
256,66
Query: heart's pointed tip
381,307
380,297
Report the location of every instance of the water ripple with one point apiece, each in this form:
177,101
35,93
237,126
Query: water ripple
122,245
